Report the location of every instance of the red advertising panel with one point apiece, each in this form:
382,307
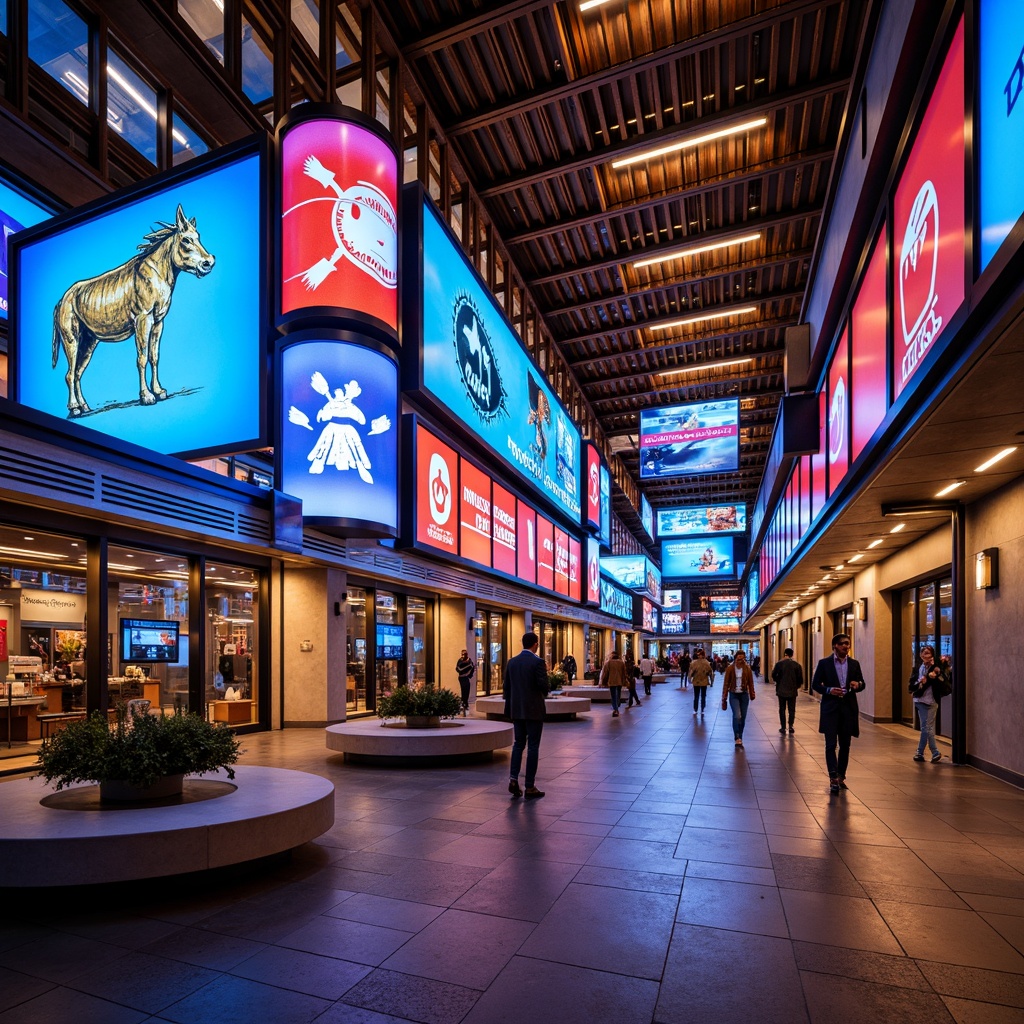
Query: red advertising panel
592,509
593,571
804,470
545,553
868,349
475,514
561,562
526,555
575,586
818,461
928,224
437,475
839,413
339,229
503,515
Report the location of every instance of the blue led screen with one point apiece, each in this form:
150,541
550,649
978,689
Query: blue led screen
1001,107
702,437
338,439
16,212
702,557
476,368
179,268
606,506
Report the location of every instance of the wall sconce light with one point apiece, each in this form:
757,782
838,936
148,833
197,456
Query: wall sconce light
789,634
986,569
817,623
862,610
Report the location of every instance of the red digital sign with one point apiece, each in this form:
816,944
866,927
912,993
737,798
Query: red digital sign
545,553
593,504
561,562
526,556
475,514
819,460
339,227
928,223
575,586
503,517
437,475
593,571
868,351
839,413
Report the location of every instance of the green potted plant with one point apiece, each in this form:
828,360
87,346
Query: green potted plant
421,709
556,679
139,757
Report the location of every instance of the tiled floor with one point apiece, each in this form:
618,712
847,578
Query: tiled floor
665,877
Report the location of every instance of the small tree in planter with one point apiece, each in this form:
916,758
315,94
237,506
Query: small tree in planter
138,751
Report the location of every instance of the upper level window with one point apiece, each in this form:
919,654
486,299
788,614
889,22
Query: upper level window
206,19
3,17
131,107
257,65
306,19
187,142
58,41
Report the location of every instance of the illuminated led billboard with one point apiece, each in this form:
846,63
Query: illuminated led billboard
699,438
593,594
673,623
699,558
16,212
616,601
337,444
475,370
838,414
636,572
606,506
141,315
1000,70
593,506
503,512
437,482
646,516
690,522
339,226
672,600
928,223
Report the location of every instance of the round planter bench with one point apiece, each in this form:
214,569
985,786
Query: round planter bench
462,739
599,694
51,839
558,709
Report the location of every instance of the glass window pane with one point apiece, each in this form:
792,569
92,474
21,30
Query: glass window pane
206,19
349,42
131,107
58,41
231,685
306,18
3,17
187,142
416,640
257,65
355,655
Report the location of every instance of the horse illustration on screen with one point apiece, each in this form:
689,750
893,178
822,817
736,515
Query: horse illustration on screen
132,299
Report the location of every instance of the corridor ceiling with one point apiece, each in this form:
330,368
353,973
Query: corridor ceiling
552,110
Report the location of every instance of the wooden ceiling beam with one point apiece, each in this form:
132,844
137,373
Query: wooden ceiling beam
466,28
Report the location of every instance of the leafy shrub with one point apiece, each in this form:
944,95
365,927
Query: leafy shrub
404,700
139,751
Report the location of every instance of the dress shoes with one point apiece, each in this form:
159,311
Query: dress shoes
513,788
533,793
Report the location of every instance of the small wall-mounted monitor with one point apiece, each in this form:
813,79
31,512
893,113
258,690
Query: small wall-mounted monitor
390,642
148,640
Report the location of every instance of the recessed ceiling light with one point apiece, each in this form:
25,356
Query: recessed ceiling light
735,311
998,457
588,5
696,140
949,489
697,249
898,527
703,366
875,543
855,558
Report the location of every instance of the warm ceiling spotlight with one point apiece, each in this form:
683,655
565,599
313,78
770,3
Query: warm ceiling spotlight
898,527
589,5
998,457
948,490
735,311
703,366
875,543
675,147
696,250
855,558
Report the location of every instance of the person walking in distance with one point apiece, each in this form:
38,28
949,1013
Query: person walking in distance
788,676
923,680
647,667
838,678
464,669
569,668
613,675
684,669
524,690
632,675
738,690
701,674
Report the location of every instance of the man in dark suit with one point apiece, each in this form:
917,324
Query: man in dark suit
838,679
524,690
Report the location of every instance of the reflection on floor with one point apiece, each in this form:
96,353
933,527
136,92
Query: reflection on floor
667,876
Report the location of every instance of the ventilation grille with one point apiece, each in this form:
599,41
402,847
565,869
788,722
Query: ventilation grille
55,478
147,502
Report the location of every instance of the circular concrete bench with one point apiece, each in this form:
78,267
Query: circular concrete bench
600,694
558,709
459,740
67,838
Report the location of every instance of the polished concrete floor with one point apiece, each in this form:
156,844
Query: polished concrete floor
666,876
